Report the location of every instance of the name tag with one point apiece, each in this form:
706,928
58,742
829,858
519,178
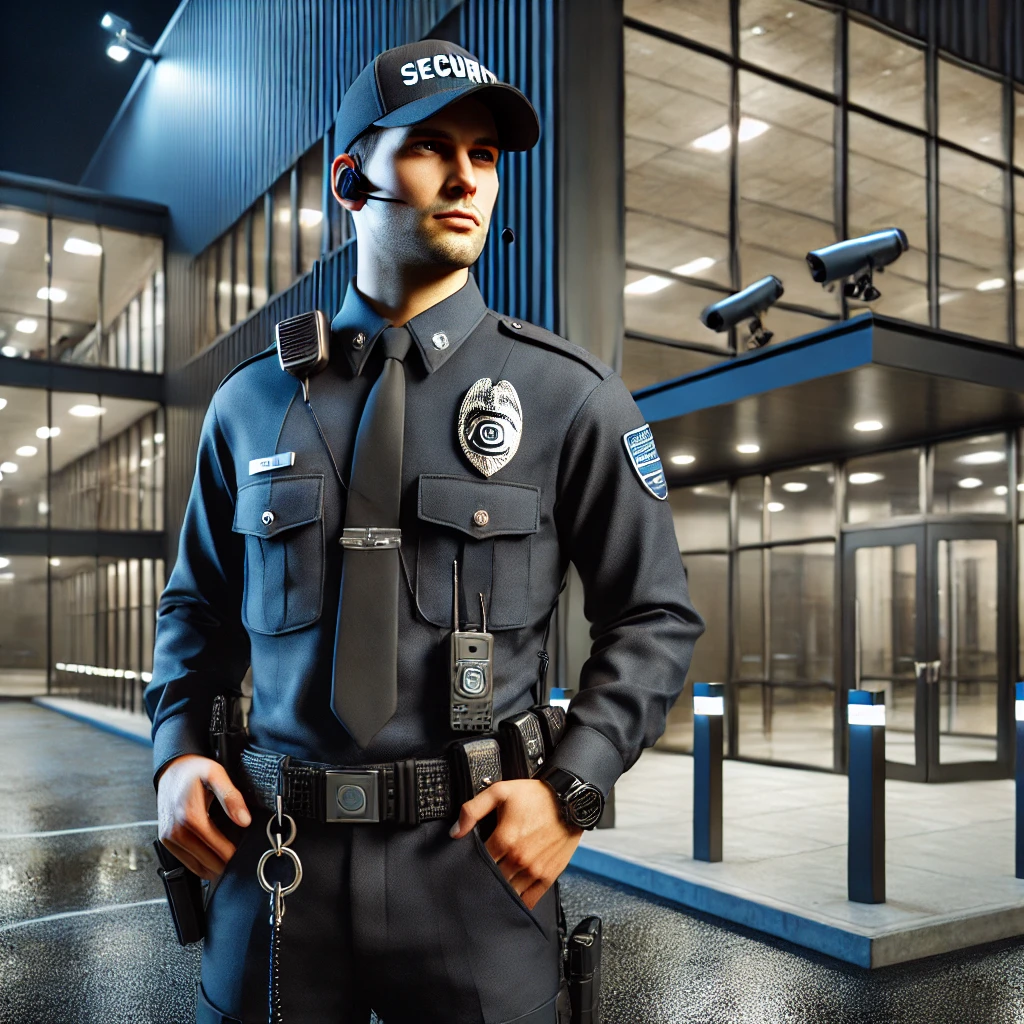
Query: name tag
271,462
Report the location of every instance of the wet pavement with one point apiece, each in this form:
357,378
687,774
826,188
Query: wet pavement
83,942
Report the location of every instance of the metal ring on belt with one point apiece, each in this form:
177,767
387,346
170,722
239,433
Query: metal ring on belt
406,792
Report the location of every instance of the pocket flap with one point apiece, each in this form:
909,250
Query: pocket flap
479,508
265,508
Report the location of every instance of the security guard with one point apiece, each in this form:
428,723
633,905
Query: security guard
328,511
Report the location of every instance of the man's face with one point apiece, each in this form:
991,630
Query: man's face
446,171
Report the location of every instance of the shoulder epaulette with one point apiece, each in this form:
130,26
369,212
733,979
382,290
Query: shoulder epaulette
539,336
270,350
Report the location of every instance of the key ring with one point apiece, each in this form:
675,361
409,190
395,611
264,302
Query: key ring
277,848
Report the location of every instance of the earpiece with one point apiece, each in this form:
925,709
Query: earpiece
351,183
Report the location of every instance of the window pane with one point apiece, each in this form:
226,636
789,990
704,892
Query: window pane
129,263
670,309
786,187
23,489
971,475
972,236
886,74
282,235
259,255
22,276
1018,273
663,244
802,598
23,586
208,274
225,261
750,615
648,362
76,292
1018,128
888,188
971,110
73,597
786,723
802,503
791,38
311,201
750,494
241,271
708,578
701,516
880,486
706,21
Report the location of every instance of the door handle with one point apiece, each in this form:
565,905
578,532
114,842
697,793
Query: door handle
929,669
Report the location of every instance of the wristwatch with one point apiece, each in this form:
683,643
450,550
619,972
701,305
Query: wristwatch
582,804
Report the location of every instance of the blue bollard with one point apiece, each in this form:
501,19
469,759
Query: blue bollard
865,871
1018,714
708,711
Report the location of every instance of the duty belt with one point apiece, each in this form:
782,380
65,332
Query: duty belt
406,792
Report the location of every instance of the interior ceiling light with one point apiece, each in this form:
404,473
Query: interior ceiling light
44,432
8,350
757,30
867,425
8,467
694,266
865,478
8,236
993,284
3,403
682,460
718,140
4,562
968,483
982,458
748,448
309,218
53,294
26,450
775,506
27,325
86,410
55,562
1001,490
158,438
794,486
124,40
1018,275
83,247
647,285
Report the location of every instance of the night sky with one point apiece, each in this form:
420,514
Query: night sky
59,90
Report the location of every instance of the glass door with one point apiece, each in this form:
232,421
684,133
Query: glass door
925,619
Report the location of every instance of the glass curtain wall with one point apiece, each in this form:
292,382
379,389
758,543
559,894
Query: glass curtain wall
742,154
760,553
80,293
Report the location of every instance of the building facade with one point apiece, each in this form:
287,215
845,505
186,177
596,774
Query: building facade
688,148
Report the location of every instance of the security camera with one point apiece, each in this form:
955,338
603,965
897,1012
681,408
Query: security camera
858,258
115,25
754,301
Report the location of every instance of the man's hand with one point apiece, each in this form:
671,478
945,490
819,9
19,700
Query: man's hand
185,790
531,844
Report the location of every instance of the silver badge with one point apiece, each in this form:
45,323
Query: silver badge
440,340
490,425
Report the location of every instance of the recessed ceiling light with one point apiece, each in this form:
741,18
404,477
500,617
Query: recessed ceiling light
1001,489
8,350
682,460
27,325
4,562
1018,275
53,294
748,448
3,403
145,462
158,438
43,507
55,562
87,410
718,140
757,30
794,486
309,218
775,506
982,458
867,425
993,284
647,285
83,247
26,450
8,236
694,266
8,467
968,483
865,478
44,432
751,128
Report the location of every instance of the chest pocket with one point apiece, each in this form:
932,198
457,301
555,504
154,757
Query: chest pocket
282,519
489,528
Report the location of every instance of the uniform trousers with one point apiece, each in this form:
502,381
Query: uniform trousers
407,922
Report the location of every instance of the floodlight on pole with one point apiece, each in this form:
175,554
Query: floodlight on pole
124,40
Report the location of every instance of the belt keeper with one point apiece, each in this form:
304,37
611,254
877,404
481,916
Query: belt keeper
406,795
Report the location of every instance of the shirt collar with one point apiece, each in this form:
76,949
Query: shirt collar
437,331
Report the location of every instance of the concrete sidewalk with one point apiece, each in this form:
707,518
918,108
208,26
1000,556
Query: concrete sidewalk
949,858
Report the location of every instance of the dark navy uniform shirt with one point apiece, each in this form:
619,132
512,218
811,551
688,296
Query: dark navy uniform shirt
247,591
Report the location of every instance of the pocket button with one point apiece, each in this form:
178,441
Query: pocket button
481,517
267,517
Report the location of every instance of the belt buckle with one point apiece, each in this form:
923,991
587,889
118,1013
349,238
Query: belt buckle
352,796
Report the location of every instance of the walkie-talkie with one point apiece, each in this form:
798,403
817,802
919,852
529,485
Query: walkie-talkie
583,971
472,669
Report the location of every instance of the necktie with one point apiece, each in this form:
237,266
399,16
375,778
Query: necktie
365,691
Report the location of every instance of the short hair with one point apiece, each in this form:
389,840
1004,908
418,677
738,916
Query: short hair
363,146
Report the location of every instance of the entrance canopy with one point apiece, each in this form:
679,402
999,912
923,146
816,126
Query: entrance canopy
798,401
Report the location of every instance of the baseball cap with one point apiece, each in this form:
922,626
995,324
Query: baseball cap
408,84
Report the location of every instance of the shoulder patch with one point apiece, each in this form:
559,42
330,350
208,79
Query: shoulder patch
539,336
646,461
271,350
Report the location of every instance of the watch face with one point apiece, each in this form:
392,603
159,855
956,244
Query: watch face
585,806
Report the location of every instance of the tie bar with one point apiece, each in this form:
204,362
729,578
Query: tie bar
370,537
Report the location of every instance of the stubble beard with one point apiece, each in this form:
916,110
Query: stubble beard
416,240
